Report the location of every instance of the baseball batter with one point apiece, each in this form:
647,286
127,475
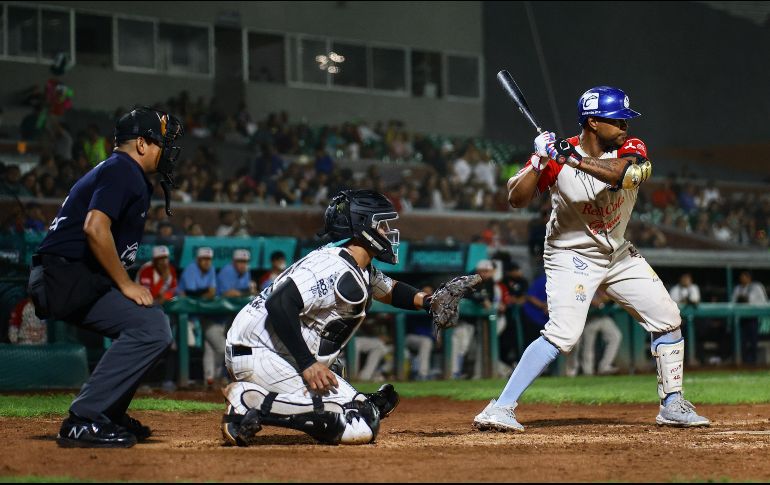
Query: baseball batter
281,346
594,179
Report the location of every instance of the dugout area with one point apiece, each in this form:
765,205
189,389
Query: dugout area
430,439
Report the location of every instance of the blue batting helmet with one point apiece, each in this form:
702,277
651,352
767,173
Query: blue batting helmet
604,102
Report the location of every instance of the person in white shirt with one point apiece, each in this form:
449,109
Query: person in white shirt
752,293
685,292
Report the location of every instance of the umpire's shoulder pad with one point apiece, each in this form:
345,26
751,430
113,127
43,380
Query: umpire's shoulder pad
350,288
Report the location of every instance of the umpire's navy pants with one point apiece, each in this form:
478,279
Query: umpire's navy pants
141,335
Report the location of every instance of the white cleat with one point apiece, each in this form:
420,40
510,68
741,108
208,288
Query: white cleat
680,412
497,418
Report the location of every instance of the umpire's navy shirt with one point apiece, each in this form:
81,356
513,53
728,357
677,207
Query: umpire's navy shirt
118,187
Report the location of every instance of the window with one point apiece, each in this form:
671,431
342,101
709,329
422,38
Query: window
93,39
266,58
389,69
312,71
426,74
463,76
350,63
184,48
56,33
136,43
22,31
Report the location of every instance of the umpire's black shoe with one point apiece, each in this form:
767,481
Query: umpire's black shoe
386,399
76,432
139,430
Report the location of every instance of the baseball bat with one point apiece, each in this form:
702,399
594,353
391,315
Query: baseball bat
510,86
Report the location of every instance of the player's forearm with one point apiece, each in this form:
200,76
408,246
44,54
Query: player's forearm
404,296
522,187
102,245
608,170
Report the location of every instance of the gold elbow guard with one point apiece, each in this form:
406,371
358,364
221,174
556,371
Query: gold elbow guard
635,174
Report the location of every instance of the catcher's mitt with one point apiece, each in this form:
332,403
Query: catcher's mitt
445,300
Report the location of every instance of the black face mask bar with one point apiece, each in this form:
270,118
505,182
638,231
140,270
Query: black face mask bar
171,129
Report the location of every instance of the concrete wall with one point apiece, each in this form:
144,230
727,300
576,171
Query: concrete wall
446,26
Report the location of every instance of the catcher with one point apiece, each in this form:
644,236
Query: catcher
282,347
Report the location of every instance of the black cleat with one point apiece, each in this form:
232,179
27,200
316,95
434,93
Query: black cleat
386,399
134,426
240,429
81,433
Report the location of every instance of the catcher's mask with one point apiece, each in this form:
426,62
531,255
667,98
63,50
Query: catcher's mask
157,127
364,215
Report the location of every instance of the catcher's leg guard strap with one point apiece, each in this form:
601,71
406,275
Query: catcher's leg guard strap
669,358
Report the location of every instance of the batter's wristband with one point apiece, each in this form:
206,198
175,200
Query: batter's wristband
403,296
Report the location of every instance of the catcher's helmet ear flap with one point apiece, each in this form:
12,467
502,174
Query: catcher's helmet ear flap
363,215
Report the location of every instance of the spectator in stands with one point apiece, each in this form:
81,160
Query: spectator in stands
277,266
515,287
752,293
30,186
35,221
228,224
687,199
721,232
24,328
534,312
158,275
370,342
199,281
323,161
650,237
685,292
491,235
48,187
95,146
664,196
420,340
708,195
463,166
11,182
269,163
62,141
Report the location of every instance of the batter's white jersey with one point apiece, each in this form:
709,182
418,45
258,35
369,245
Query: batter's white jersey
328,317
589,216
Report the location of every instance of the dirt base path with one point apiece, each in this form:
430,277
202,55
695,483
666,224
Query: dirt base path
424,440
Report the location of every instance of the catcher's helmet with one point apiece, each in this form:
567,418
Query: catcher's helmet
359,215
604,102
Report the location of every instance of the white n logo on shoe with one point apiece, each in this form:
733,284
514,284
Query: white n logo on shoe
76,431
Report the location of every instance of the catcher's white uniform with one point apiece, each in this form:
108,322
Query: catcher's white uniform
317,278
585,248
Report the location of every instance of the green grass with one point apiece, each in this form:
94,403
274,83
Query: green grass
41,479
700,387
58,404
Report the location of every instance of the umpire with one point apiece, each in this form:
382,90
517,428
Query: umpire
78,275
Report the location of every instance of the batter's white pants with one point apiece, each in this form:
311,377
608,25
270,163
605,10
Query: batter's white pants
375,349
423,346
612,337
572,280
213,349
269,370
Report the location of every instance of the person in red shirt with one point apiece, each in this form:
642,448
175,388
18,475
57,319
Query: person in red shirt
158,275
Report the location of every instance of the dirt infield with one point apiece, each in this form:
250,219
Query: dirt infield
424,440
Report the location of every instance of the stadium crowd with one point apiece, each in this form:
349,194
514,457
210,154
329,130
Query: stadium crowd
293,164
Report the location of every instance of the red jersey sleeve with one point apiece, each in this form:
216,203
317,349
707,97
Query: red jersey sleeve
547,176
633,145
